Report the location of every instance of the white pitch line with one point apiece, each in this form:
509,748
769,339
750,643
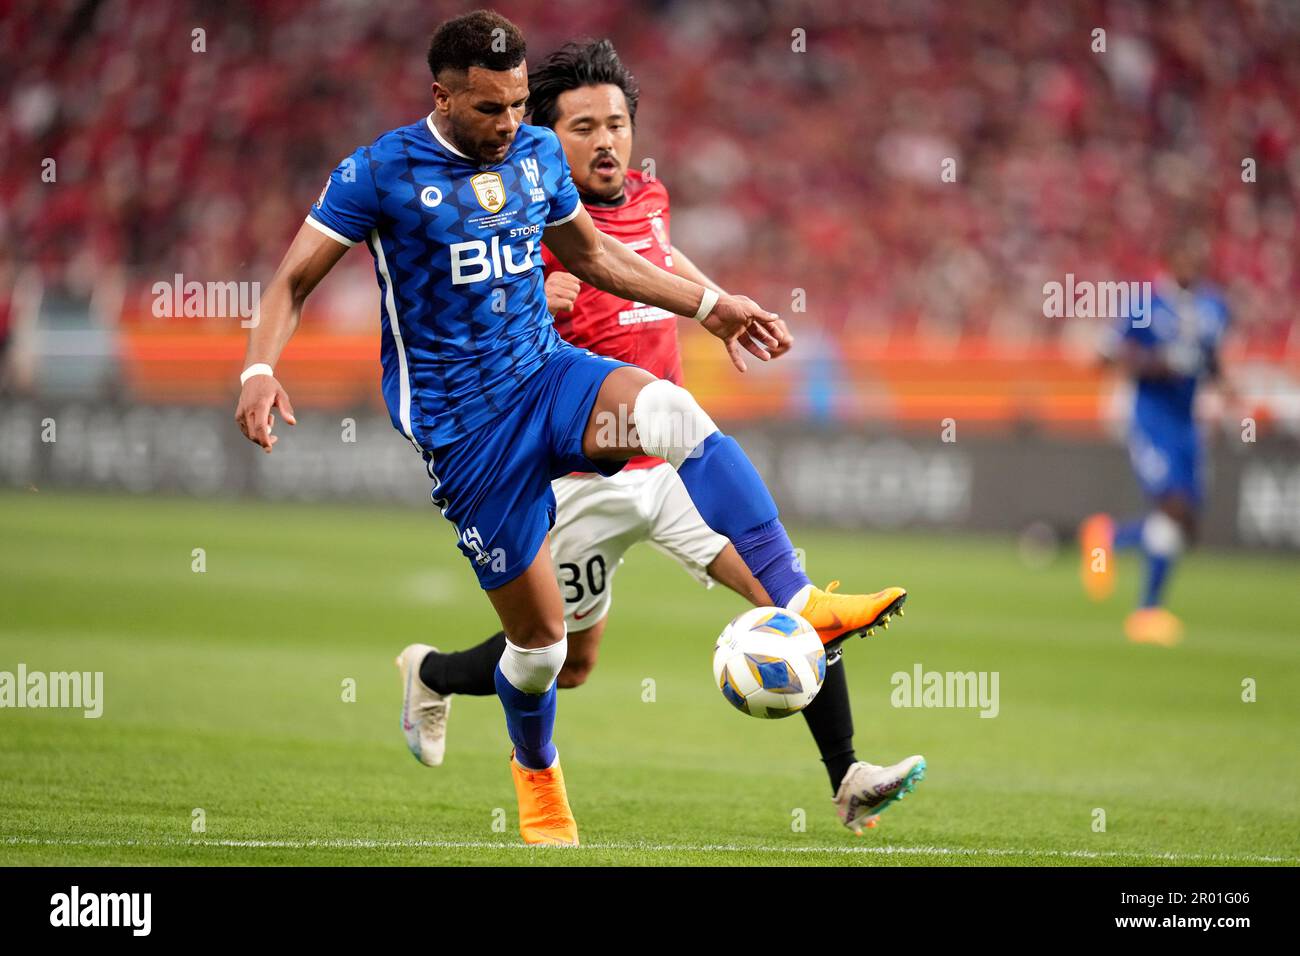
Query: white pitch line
935,851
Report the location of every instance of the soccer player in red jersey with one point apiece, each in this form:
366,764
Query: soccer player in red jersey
585,94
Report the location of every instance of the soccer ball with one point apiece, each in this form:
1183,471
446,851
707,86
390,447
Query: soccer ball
769,662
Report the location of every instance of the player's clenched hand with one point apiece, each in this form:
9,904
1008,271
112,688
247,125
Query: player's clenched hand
742,324
261,394
561,291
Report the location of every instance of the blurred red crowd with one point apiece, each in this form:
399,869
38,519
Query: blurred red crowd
804,144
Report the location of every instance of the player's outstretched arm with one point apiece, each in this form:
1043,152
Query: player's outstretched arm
684,267
311,255
609,265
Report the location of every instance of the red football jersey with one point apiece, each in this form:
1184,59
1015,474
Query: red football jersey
608,325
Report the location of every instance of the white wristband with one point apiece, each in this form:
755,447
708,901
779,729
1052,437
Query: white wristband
709,300
261,368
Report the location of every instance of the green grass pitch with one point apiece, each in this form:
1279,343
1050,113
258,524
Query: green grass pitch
224,693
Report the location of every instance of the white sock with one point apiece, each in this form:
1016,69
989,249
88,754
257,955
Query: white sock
1162,535
800,599
532,670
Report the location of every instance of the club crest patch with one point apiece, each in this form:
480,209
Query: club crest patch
490,191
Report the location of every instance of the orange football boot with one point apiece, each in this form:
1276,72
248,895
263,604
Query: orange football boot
1097,556
1153,625
544,814
837,617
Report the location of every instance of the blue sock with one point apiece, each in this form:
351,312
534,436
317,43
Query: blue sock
733,500
530,721
771,558
1158,566
1129,534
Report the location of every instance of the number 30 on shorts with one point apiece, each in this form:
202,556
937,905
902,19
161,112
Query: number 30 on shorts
574,579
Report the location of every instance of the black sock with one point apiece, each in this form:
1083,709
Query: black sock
470,672
831,721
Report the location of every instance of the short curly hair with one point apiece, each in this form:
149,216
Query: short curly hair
483,38
574,65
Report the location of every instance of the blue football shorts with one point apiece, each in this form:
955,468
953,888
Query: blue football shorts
1167,461
494,485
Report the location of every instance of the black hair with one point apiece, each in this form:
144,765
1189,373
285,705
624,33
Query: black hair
574,65
482,38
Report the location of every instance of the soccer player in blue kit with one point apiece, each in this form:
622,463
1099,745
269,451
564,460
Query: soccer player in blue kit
453,209
1166,353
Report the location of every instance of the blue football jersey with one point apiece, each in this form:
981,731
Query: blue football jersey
457,251
1189,323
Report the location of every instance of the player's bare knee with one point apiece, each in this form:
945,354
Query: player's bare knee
536,634
575,672
609,433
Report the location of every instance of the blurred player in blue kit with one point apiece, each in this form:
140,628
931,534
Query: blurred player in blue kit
1167,353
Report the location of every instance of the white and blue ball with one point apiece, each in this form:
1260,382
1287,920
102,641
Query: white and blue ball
769,662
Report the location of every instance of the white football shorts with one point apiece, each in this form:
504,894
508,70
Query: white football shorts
597,519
